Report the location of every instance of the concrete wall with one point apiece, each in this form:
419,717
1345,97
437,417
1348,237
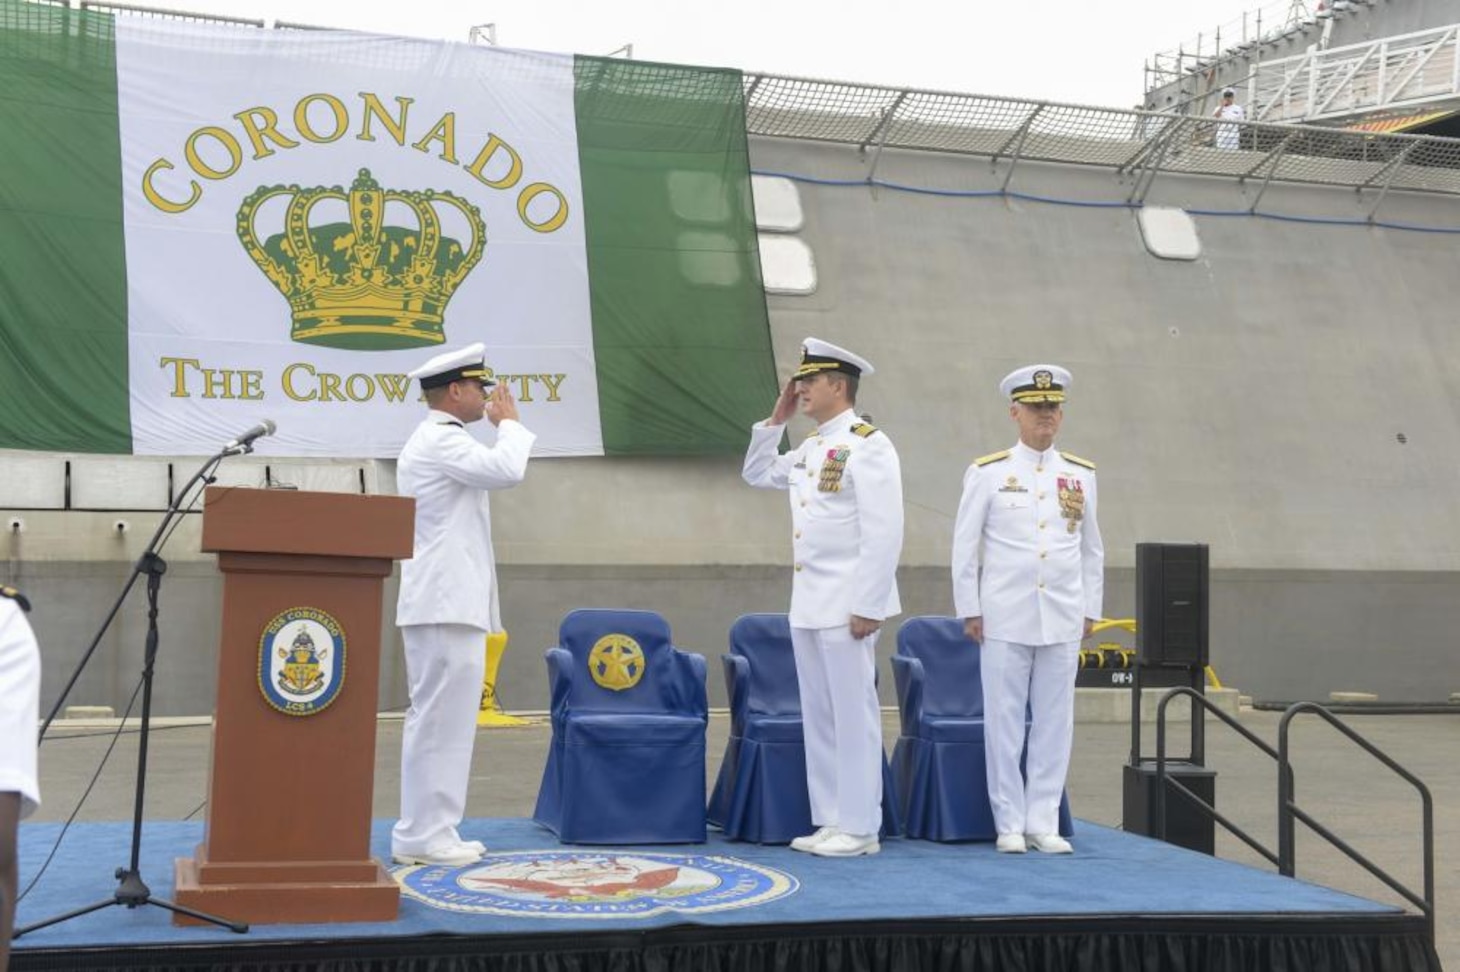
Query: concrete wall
1254,399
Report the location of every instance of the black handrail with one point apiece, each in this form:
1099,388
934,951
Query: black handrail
1288,811
1200,700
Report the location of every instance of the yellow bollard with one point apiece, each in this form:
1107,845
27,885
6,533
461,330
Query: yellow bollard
490,713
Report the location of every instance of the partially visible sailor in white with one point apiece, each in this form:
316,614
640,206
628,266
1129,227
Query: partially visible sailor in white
1027,518
845,484
20,689
448,595
1229,136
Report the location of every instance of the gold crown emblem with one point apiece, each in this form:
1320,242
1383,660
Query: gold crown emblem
364,285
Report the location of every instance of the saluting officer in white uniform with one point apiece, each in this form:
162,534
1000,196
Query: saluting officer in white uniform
1027,517
20,687
845,485
448,595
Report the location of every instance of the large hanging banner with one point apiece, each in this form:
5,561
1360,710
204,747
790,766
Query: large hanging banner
203,226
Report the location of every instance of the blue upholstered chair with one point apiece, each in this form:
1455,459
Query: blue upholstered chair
626,764
938,761
760,794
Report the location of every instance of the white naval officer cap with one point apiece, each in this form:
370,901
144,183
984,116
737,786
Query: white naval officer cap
818,356
1036,383
463,364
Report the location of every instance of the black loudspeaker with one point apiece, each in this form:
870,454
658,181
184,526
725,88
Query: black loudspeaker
1186,824
1171,603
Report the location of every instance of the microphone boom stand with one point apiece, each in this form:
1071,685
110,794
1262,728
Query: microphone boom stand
132,891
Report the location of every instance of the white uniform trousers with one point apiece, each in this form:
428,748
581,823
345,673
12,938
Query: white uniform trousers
842,724
445,665
1018,678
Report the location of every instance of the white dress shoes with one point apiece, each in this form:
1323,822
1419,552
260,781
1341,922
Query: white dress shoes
1010,844
452,855
475,845
804,844
1050,844
847,845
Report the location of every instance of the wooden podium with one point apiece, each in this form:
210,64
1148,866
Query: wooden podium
290,787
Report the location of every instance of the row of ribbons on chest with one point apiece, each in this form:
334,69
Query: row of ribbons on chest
1071,498
833,468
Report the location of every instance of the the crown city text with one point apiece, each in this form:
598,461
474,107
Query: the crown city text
215,152
303,382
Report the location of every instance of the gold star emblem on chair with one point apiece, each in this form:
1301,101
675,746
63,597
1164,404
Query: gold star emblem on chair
616,662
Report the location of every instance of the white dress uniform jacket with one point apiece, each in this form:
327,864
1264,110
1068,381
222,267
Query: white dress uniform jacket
1042,558
20,679
845,484
452,577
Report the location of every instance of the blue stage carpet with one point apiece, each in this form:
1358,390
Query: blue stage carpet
719,883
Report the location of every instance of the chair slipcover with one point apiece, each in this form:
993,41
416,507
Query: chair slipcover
626,764
760,794
938,761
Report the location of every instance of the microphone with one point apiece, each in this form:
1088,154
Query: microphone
244,443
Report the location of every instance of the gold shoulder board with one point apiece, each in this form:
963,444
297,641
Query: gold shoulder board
991,458
15,596
863,429
1071,457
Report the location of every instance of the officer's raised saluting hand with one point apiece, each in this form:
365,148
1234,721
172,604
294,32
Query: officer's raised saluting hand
501,405
785,405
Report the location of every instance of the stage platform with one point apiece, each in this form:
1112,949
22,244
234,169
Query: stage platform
1122,903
